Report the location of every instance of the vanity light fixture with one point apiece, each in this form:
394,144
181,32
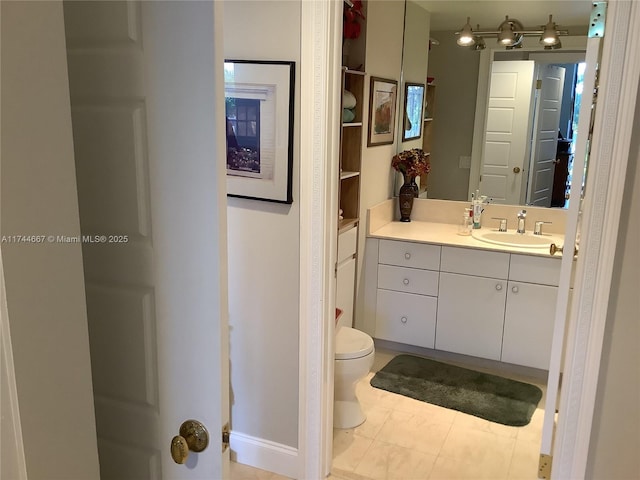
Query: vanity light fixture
465,36
510,34
478,42
554,46
549,36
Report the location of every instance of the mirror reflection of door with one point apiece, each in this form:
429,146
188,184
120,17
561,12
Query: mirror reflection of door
549,87
507,123
532,110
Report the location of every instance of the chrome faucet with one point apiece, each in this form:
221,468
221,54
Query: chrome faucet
522,214
538,228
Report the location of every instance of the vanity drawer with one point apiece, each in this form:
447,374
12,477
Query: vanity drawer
479,263
526,268
409,254
406,318
409,280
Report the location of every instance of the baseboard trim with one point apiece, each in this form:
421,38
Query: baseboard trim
264,454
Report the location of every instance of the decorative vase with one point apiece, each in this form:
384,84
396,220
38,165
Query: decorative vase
408,191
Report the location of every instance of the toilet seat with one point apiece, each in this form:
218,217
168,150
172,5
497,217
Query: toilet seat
352,343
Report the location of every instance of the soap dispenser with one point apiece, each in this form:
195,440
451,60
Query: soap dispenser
477,206
467,222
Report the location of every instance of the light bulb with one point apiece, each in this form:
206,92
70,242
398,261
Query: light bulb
549,36
506,36
465,37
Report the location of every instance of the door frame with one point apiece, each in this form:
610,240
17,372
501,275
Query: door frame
610,149
320,94
619,80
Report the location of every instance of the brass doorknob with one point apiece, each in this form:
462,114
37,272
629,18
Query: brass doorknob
553,248
193,437
516,169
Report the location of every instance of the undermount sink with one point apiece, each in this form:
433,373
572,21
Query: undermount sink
514,239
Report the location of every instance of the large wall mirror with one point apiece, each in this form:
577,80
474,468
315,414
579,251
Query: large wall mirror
503,121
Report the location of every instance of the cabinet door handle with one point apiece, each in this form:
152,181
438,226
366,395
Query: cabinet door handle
405,281
403,319
498,286
515,289
407,255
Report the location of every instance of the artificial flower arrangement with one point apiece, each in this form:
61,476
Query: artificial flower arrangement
350,24
411,163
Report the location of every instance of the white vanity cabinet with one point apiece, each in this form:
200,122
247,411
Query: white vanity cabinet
530,311
473,288
407,289
487,304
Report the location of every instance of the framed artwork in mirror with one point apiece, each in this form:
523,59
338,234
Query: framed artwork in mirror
259,111
382,111
413,108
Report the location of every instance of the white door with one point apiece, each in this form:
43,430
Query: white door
545,134
571,230
147,99
12,460
507,126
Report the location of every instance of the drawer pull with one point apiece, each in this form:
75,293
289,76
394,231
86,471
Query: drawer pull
403,319
498,286
407,255
515,289
405,281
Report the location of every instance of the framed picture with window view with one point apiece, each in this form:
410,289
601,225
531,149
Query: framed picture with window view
413,107
259,102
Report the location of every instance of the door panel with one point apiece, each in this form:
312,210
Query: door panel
109,105
146,109
582,139
13,463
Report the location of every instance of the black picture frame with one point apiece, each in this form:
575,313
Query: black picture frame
382,111
413,110
259,111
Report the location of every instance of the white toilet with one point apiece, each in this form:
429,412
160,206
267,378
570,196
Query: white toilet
354,357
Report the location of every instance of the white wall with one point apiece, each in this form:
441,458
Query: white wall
264,245
44,282
615,436
385,24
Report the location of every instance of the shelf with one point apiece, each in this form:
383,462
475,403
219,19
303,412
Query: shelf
354,72
346,224
346,174
352,124
430,119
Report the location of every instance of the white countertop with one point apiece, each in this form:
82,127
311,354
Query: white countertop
447,234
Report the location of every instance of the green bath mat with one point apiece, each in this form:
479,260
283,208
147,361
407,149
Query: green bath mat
493,398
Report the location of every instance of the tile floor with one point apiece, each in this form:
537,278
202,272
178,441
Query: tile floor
405,439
